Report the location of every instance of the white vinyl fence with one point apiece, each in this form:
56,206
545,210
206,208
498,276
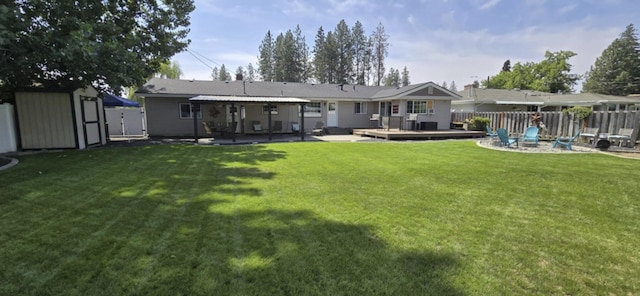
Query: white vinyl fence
8,141
126,121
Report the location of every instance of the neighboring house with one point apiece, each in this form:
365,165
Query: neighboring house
170,111
59,118
504,100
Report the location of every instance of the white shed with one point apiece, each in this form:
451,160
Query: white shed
60,119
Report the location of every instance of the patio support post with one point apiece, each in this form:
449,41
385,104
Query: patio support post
269,120
195,107
302,121
233,122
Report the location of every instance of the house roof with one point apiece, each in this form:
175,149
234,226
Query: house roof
529,97
157,87
234,99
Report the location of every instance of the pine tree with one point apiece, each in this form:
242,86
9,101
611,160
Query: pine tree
301,57
617,70
224,75
405,77
444,84
215,73
361,53
285,68
331,56
380,43
344,46
320,57
453,87
251,73
266,62
393,78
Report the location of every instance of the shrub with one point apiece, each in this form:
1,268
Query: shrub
479,123
579,112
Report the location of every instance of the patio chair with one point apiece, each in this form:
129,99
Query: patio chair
503,135
530,135
319,129
207,128
385,122
295,127
256,126
624,134
491,134
277,126
590,133
565,141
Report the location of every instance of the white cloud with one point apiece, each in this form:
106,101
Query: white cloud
568,8
350,6
411,19
299,8
489,4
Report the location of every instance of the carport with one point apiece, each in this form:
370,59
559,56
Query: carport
236,100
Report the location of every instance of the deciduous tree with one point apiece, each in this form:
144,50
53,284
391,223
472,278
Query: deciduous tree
107,43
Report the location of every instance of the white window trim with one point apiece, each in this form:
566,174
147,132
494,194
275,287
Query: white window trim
190,111
313,114
274,109
363,107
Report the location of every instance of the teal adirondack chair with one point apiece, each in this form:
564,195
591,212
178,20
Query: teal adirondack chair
505,139
530,135
490,133
565,141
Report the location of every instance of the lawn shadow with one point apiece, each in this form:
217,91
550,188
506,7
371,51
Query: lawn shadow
174,230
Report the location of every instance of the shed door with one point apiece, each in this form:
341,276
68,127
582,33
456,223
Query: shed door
91,121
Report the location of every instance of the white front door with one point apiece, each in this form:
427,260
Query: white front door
332,114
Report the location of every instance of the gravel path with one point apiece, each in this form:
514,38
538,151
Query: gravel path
542,147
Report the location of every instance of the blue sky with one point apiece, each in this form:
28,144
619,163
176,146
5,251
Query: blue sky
438,40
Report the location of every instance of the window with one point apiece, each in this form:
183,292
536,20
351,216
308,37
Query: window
186,112
274,109
385,108
421,107
313,109
395,109
361,108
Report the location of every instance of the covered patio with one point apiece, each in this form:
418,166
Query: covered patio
238,103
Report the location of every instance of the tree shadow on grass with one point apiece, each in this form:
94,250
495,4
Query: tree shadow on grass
183,229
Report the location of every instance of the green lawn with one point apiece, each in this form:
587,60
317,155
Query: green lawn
434,218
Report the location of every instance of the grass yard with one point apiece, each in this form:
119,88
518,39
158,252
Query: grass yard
434,218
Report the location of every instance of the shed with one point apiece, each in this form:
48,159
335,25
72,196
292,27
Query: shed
60,119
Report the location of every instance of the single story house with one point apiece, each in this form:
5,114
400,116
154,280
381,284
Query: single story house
171,105
59,118
507,100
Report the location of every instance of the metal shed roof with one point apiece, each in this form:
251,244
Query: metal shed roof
245,99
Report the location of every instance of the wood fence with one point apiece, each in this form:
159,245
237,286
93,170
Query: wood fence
558,123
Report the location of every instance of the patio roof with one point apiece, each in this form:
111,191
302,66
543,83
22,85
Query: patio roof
245,99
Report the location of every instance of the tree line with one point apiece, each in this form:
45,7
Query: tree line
344,55
615,72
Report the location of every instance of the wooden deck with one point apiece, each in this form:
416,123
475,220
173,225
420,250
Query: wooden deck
395,134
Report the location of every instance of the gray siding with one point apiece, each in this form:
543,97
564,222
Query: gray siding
163,118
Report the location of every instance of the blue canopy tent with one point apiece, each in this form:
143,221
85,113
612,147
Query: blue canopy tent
110,100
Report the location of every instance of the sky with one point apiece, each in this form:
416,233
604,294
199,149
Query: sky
437,40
